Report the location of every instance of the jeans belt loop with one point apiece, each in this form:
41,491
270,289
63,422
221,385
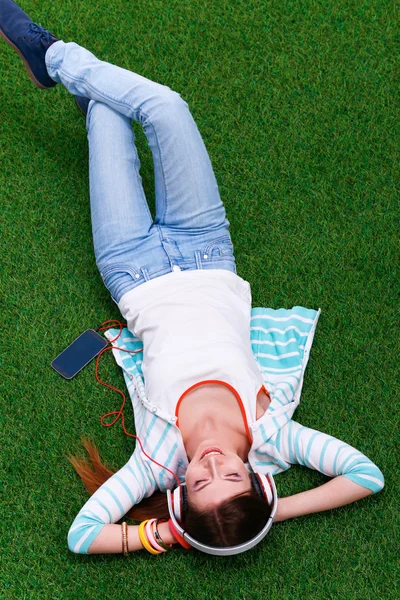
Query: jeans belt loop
199,264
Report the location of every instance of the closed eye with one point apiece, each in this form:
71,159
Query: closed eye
199,481
197,487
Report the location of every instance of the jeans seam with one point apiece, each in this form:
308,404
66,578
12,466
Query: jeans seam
162,167
138,177
161,237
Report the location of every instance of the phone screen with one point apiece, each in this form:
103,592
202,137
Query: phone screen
78,354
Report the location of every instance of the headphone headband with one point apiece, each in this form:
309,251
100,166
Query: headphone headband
264,485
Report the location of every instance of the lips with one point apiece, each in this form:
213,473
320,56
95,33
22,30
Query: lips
208,450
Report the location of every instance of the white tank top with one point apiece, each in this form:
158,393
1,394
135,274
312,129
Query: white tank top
195,328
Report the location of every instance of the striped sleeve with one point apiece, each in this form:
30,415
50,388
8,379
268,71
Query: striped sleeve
111,502
328,455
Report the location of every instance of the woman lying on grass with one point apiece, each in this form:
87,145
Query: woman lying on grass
216,387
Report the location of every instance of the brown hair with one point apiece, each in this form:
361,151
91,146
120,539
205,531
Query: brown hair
232,522
94,473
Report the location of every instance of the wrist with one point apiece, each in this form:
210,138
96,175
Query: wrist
165,533
280,514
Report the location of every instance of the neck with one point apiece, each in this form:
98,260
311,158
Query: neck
210,415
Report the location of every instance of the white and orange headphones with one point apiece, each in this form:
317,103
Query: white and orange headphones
177,506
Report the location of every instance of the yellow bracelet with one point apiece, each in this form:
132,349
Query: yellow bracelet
144,540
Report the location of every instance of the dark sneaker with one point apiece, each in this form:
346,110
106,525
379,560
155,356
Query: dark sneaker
82,103
28,39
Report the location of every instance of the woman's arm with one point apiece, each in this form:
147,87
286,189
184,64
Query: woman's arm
110,503
109,540
355,475
334,493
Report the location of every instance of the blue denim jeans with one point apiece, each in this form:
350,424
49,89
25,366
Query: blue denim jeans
190,229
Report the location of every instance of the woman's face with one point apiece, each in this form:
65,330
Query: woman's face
215,475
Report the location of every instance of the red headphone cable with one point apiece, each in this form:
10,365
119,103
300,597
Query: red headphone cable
119,413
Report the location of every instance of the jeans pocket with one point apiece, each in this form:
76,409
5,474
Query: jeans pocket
120,279
219,248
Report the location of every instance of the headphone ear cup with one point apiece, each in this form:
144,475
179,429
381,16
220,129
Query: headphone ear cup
184,501
256,484
262,486
177,503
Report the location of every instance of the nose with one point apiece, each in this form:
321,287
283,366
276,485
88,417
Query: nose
214,463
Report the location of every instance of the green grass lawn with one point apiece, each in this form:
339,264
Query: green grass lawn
296,104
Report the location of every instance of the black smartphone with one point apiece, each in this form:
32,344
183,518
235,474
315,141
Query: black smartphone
78,354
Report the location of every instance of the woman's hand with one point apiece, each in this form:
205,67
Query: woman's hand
337,492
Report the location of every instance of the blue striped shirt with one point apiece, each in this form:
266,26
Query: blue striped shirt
281,341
